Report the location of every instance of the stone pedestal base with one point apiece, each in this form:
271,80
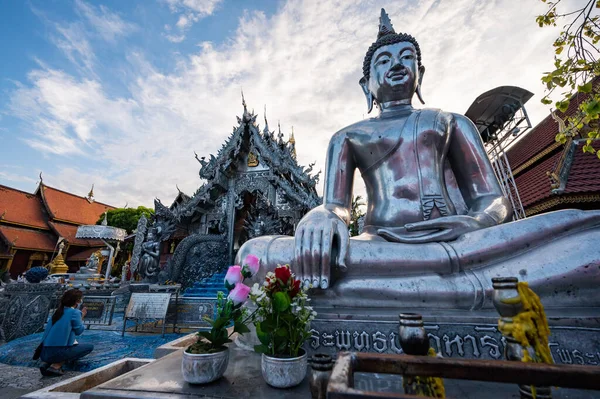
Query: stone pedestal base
574,339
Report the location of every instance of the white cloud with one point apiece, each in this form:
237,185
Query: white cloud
189,11
106,23
72,40
304,63
201,7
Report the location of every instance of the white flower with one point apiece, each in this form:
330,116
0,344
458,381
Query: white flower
256,291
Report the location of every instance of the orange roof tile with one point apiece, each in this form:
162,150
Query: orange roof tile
72,208
22,208
83,255
28,238
68,232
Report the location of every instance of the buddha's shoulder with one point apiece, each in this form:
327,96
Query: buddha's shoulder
443,118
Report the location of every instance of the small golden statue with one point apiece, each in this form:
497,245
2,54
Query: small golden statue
252,159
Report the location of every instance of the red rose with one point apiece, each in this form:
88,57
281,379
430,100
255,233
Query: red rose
295,289
283,273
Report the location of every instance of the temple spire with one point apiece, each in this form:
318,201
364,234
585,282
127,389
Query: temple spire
279,135
385,25
292,143
266,129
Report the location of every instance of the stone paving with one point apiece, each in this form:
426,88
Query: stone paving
16,380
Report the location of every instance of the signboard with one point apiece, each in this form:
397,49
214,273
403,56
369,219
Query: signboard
191,311
100,309
148,305
143,305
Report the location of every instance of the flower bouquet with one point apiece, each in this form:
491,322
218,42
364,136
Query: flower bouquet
206,360
282,321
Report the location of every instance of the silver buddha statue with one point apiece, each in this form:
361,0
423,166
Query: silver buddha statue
437,227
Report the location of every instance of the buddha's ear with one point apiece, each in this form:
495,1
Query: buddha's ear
421,73
364,84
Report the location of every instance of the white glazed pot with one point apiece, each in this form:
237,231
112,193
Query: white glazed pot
284,372
203,368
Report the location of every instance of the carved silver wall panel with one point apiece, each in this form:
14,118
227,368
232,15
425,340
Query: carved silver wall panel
28,308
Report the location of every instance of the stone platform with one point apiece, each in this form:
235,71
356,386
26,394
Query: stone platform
162,379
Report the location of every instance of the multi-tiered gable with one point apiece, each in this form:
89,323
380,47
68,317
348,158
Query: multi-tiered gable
254,186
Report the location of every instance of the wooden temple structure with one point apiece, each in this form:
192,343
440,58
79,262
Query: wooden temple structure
31,226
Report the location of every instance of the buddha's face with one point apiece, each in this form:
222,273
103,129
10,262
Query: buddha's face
394,72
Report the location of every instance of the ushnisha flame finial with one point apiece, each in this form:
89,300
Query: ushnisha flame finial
385,25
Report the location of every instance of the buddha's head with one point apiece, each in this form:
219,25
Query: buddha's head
392,69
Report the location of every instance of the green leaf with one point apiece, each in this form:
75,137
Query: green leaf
546,101
240,328
586,88
263,337
261,349
208,320
281,301
562,106
220,323
281,332
267,325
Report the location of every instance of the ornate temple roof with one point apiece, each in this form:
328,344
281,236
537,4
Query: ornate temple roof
36,221
23,238
82,256
270,150
68,231
21,208
67,207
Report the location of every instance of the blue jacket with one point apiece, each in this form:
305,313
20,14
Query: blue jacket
64,331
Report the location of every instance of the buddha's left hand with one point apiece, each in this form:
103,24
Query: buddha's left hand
446,228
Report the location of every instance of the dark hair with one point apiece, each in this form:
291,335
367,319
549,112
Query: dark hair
69,299
391,38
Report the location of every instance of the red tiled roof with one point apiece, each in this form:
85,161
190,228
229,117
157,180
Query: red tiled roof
534,184
72,208
83,255
68,232
542,135
28,238
22,208
584,175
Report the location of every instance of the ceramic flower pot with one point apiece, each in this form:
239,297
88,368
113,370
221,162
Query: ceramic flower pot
284,372
203,368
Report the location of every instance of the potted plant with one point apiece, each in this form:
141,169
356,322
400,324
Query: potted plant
206,360
282,319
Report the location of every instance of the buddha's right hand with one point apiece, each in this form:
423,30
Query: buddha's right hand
314,241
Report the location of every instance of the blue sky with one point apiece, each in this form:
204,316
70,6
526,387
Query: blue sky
120,93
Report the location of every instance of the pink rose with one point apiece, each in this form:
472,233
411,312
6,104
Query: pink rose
239,294
252,263
233,276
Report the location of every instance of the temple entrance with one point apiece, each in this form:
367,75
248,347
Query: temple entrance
255,216
243,208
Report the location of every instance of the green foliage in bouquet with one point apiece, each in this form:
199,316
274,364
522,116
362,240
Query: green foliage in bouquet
283,316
